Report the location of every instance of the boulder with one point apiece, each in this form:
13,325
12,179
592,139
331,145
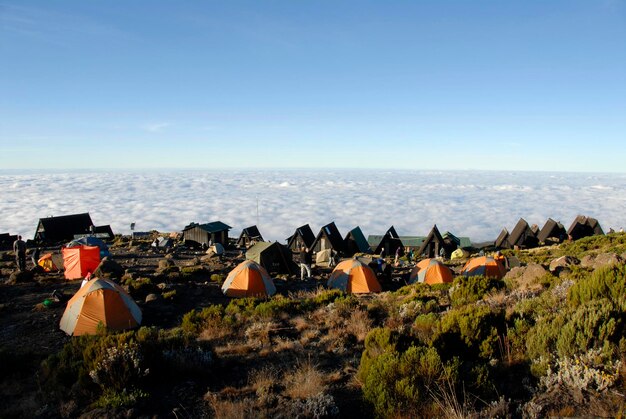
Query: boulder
20,276
603,259
526,276
151,297
564,262
108,268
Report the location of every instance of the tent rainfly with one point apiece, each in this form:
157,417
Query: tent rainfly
248,279
99,301
430,271
354,277
79,261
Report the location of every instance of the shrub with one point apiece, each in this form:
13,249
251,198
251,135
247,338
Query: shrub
275,306
608,282
194,322
169,295
242,307
396,383
377,342
581,372
576,330
590,326
218,278
466,290
120,367
424,327
469,331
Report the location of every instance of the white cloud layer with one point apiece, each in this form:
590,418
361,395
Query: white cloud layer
473,204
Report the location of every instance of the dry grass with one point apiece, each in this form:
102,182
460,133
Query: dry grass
230,409
300,323
359,324
447,401
213,332
258,333
304,381
308,336
284,344
234,349
263,378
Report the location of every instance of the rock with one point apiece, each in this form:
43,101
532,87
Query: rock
20,276
603,259
165,265
564,262
525,276
151,297
108,268
163,286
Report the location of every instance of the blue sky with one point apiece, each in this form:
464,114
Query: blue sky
525,85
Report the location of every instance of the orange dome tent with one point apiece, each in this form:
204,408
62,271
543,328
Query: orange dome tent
99,301
248,279
80,260
354,277
485,266
430,271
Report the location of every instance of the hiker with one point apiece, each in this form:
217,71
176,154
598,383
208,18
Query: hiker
442,253
19,247
397,257
382,252
409,255
332,261
305,262
35,256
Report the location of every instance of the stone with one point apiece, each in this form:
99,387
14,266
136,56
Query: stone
151,297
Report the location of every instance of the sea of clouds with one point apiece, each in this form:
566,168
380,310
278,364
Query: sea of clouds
474,204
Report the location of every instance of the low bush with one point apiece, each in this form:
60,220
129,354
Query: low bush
467,290
194,322
278,304
469,332
608,282
397,383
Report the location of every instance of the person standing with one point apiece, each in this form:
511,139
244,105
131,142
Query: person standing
19,247
306,259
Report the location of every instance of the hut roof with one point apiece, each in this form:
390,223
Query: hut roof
306,233
212,227
551,229
63,227
359,238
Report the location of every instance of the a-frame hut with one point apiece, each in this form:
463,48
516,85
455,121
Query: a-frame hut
390,242
328,238
583,227
523,236
249,236
303,237
63,228
274,257
552,230
502,242
355,242
431,247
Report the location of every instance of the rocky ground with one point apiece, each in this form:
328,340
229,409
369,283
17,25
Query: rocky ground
295,356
